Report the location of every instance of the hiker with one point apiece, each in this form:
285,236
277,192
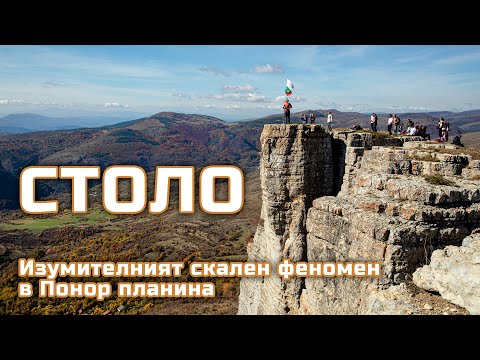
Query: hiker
444,132
304,118
446,129
373,122
417,127
456,141
440,126
422,131
286,112
312,118
396,122
413,130
389,124
329,120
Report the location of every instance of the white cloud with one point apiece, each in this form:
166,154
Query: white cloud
208,106
46,103
357,107
239,88
458,59
114,105
182,96
214,70
268,69
10,102
291,97
405,108
252,97
232,107
417,108
268,106
50,84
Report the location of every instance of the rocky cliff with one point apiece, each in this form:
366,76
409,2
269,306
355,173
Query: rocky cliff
355,196
296,166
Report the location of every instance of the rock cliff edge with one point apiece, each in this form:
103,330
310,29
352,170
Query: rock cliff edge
352,196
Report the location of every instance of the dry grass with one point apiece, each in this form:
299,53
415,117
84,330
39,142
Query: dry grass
427,157
438,180
473,152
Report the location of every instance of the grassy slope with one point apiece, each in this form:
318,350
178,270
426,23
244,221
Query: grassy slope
471,139
99,236
37,224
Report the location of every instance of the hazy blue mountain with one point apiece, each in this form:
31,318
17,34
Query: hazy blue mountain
28,122
13,130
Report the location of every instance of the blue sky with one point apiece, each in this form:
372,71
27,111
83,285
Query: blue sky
236,82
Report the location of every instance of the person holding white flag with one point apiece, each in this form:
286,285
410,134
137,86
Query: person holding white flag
287,106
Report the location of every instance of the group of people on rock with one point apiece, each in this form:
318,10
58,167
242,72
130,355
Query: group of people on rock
394,124
394,121
305,118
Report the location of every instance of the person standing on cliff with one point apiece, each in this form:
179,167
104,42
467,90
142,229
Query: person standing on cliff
390,124
446,127
312,118
329,120
286,112
440,126
373,122
396,122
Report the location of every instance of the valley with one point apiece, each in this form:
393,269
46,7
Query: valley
161,139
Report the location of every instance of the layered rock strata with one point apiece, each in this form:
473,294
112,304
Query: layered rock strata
296,167
353,197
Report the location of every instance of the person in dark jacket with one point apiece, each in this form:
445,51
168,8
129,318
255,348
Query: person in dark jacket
286,112
456,141
373,122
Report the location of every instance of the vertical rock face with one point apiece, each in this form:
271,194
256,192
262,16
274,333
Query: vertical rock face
357,197
387,212
295,168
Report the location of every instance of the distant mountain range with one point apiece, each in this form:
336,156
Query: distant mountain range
165,138
466,121
27,122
